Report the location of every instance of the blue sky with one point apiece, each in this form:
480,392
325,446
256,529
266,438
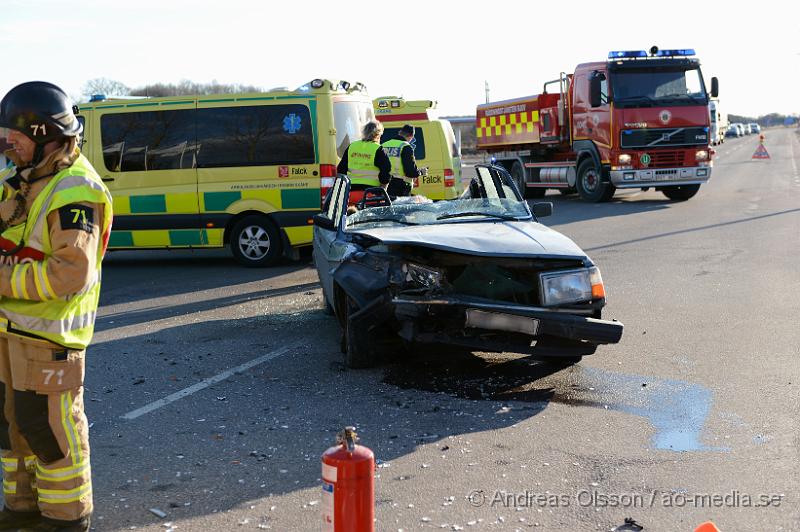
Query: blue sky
426,50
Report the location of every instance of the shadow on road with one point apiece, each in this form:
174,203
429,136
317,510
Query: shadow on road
570,208
136,275
113,320
694,229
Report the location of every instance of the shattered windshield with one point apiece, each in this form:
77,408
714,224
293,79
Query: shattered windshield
417,212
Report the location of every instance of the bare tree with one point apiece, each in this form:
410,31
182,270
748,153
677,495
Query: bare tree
108,87
186,87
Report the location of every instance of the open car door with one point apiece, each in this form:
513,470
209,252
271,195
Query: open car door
491,182
328,226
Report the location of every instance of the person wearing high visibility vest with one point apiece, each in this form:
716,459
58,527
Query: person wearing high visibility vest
404,165
364,161
54,229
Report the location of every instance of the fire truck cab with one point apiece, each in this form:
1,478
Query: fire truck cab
638,120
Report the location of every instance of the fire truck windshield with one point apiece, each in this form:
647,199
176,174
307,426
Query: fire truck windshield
646,87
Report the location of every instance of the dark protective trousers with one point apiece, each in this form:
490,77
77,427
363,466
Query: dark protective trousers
44,434
399,187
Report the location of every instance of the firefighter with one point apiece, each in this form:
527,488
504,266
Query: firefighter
401,154
365,162
54,228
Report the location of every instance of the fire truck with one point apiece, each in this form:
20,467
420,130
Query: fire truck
637,120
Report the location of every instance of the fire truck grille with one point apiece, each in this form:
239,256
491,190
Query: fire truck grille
666,159
651,138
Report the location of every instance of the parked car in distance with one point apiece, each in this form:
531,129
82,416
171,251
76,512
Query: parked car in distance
733,131
754,128
741,128
479,272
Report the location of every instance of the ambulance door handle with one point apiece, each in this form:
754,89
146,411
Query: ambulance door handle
107,179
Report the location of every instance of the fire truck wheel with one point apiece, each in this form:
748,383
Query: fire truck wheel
255,241
357,349
590,185
681,193
518,175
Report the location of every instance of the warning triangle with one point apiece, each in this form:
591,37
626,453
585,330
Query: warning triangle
761,152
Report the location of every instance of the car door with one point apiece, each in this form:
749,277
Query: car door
328,226
492,182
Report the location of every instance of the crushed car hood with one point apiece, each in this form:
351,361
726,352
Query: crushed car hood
491,238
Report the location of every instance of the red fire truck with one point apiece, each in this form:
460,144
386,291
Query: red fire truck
638,120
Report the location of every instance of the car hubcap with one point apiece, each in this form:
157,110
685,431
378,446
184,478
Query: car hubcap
254,242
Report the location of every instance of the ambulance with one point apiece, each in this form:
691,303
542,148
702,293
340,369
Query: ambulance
434,144
248,171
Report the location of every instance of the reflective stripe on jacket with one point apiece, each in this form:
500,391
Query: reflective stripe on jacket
361,163
394,148
67,320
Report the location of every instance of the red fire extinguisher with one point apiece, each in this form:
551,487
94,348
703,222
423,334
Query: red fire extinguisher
348,485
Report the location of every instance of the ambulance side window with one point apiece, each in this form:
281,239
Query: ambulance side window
151,140
82,120
254,136
418,142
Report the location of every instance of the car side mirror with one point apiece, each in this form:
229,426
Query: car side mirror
542,209
714,87
320,220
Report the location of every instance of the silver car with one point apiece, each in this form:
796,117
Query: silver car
479,272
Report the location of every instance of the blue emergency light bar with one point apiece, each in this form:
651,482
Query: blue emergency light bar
629,54
683,52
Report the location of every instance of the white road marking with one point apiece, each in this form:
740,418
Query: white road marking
794,164
155,405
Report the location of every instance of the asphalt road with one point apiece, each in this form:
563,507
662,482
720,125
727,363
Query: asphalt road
693,416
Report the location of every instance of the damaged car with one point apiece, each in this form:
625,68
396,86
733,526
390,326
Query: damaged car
479,271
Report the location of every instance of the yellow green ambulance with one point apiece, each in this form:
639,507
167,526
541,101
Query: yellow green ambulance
248,171
434,144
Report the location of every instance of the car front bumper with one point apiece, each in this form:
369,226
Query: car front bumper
496,326
660,177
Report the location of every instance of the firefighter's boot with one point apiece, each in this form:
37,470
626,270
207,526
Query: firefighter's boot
11,520
53,525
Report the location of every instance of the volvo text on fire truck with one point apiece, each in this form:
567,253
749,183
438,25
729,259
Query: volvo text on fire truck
638,120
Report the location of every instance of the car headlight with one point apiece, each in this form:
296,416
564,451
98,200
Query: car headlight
563,287
624,158
422,275
702,155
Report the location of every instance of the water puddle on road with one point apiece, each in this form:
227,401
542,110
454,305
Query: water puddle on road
677,410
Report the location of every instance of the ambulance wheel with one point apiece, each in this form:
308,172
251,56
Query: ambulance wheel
356,345
255,242
590,184
681,193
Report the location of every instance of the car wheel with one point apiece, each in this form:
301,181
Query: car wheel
681,193
357,349
255,242
327,307
590,185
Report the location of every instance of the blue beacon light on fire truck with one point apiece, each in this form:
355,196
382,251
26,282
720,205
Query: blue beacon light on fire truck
654,51
683,52
627,54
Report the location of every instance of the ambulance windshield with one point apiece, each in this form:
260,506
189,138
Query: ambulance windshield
349,117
